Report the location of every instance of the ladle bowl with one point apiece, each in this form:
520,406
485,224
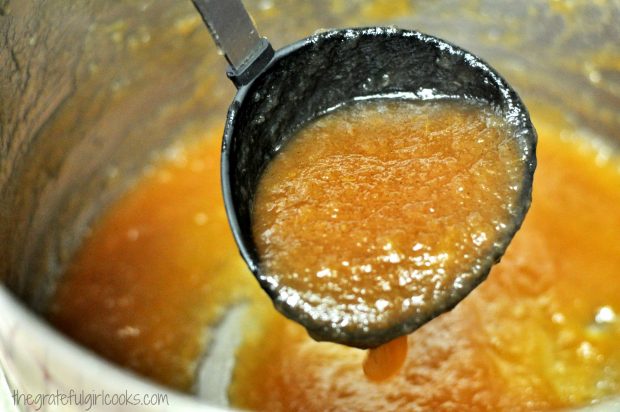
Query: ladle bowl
332,68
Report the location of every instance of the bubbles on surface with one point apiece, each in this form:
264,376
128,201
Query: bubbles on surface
386,200
605,315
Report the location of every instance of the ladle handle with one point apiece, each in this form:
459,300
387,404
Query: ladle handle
234,33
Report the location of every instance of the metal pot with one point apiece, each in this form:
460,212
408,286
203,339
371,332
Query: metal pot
90,90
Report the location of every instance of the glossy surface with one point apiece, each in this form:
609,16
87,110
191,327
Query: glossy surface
142,292
384,213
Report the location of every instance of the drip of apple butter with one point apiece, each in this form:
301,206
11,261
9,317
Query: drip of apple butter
385,361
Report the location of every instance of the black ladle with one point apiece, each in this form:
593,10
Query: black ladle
278,92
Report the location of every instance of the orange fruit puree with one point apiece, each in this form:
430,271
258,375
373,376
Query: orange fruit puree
386,212
542,332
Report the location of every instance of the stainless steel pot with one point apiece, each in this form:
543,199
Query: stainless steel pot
90,90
